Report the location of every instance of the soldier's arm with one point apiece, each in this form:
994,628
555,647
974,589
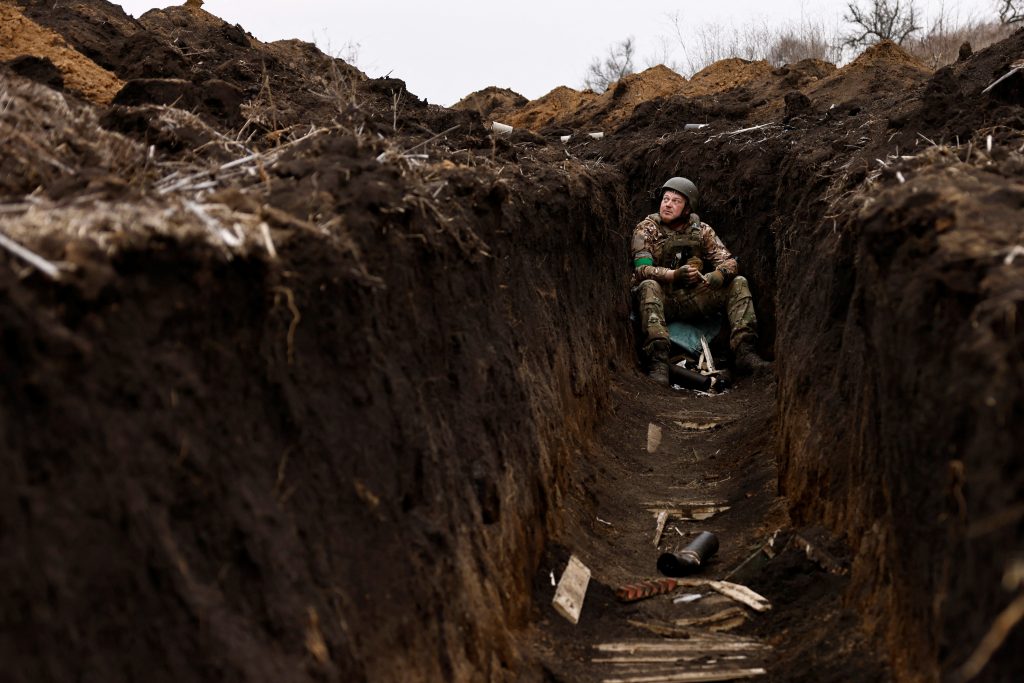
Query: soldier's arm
643,257
717,254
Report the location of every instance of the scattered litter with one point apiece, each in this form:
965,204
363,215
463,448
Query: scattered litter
698,426
500,127
597,136
653,437
659,526
647,589
899,177
723,616
571,590
564,138
690,559
1012,255
553,582
742,594
687,597
695,126
602,521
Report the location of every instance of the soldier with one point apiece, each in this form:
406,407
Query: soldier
684,273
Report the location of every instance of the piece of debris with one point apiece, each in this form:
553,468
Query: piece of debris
653,437
698,426
742,594
571,590
687,598
647,589
690,559
659,526
816,553
690,514
723,620
500,127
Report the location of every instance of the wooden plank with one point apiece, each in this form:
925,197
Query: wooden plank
722,615
659,526
692,644
571,590
692,676
692,513
742,594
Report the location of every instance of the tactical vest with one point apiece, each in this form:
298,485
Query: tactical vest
680,246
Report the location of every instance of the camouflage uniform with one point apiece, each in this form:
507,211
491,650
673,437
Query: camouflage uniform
658,250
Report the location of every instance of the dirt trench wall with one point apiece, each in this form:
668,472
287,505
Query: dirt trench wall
339,465
900,394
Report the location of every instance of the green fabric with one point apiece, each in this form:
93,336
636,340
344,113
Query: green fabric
643,262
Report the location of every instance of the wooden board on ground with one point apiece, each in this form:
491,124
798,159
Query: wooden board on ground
571,590
689,513
742,594
691,676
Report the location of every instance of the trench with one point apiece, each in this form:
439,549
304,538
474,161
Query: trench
362,456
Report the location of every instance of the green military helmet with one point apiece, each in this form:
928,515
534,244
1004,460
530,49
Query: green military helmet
684,187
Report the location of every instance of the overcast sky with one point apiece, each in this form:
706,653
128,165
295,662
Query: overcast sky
447,49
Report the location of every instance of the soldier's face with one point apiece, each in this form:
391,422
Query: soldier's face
672,206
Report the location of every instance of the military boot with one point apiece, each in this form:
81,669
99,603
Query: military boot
657,352
748,362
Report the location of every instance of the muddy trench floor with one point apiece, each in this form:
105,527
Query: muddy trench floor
715,457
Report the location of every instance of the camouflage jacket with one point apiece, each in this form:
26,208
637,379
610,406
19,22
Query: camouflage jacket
658,249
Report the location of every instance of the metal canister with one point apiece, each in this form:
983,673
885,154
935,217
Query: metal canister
690,559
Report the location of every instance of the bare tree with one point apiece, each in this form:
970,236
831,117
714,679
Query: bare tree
618,63
1011,11
880,20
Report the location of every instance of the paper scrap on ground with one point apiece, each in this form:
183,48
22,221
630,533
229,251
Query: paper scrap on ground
653,437
571,590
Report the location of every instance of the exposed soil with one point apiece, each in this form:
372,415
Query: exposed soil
316,381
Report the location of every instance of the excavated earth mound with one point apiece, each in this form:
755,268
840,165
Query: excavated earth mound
491,99
306,379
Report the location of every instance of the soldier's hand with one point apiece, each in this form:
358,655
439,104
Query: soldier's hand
715,279
687,274
695,262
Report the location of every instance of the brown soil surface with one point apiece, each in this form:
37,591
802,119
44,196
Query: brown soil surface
21,37
724,75
305,379
491,99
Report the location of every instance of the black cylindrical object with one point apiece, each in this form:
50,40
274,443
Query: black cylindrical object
685,377
690,559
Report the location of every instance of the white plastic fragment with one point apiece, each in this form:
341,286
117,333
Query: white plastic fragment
687,597
597,136
500,127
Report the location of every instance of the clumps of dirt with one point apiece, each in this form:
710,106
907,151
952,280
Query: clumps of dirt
882,71
564,109
491,99
551,110
20,37
55,146
723,75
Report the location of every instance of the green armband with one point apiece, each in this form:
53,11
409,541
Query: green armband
643,262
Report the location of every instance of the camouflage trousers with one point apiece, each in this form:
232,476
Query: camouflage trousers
657,308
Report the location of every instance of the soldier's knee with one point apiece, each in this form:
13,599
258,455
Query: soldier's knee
650,291
739,286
